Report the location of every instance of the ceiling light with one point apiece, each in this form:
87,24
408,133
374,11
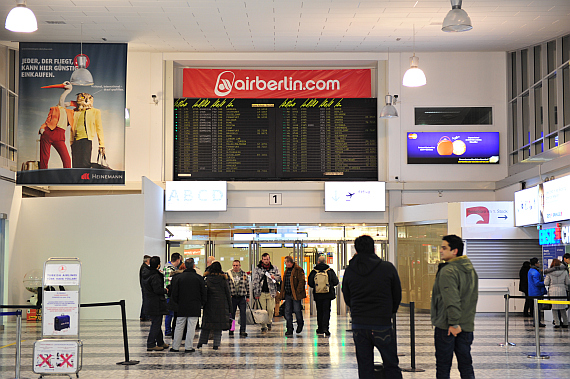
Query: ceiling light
21,19
81,76
389,111
414,77
457,19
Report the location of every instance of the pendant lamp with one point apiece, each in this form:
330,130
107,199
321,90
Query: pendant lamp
81,76
389,111
21,19
457,19
414,77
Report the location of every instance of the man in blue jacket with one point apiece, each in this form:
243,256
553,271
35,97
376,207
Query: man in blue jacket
372,289
536,283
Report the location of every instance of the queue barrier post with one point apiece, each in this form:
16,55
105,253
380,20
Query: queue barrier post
413,340
18,315
537,355
507,343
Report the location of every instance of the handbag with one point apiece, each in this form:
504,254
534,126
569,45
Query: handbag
101,162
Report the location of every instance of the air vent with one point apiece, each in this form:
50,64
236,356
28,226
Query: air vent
56,22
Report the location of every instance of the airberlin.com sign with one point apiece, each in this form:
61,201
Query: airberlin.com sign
251,84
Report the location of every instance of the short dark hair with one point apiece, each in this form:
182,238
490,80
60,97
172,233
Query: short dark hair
237,260
264,255
154,262
175,257
215,267
454,242
533,261
364,245
289,259
189,263
566,256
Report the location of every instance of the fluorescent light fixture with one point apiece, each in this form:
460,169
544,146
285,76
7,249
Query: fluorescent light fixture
457,19
389,111
21,19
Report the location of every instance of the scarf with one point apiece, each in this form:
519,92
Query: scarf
267,267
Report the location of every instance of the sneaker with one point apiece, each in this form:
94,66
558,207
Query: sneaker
299,328
327,333
156,348
172,350
231,332
289,333
268,326
263,330
242,334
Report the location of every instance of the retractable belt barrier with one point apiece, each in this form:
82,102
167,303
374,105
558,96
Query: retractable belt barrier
121,303
18,315
537,355
412,307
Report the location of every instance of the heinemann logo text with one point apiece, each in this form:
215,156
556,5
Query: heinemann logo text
106,176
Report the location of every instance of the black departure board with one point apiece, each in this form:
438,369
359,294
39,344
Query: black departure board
275,139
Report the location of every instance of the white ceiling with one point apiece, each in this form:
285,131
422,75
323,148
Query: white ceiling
293,25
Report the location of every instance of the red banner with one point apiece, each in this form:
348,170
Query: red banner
253,84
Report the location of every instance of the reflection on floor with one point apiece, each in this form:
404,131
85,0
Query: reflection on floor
302,356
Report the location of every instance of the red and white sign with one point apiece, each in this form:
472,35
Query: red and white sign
495,213
254,84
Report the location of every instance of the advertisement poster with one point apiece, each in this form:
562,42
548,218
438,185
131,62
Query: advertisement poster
70,133
453,147
527,206
556,200
60,313
62,274
267,84
56,356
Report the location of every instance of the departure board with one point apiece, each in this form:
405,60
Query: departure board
275,139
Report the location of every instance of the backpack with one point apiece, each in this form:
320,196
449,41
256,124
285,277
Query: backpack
322,281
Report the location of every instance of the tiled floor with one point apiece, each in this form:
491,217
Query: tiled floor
301,356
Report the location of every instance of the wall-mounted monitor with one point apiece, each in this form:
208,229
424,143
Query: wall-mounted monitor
196,196
355,196
527,207
453,147
556,200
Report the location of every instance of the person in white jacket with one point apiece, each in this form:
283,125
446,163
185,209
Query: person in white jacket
557,282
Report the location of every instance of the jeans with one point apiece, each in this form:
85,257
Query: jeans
179,331
384,340
323,314
155,337
239,302
168,320
291,306
445,346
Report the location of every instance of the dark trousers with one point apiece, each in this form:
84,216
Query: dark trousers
445,346
239,301
385,341
155,337
528,306
168,320
205,334
81,153
323,314
55,138
291,306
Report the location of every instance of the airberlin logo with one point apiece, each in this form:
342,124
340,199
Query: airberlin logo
85,176
226,82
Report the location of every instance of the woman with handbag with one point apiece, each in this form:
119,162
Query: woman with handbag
557,282
218,306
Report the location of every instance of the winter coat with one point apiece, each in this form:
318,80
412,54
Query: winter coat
454,295
242,287
535,283
523,276
258,276
154,301
188,293
372,289
297,283
333,282
557,281
143,272
218,303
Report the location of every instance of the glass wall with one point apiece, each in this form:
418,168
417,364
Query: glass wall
418,257
539,110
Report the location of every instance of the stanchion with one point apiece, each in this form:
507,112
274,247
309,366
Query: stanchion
413,340
394,326
536,335
507,343
127,361
18,315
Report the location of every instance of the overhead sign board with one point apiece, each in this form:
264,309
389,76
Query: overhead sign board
484,214
556,200
453,147
527,207
196,196
355,196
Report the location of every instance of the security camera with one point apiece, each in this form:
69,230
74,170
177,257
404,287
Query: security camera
155,99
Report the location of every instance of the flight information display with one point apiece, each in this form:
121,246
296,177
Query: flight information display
275,139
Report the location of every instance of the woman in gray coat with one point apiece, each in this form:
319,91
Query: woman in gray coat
557,282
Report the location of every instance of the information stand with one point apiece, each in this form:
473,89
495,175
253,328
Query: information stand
60,350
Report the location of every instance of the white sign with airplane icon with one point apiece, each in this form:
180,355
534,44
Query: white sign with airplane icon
355,196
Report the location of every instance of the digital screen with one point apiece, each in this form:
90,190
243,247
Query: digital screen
556,200
355,196
195,196
453,147
275,139
527,207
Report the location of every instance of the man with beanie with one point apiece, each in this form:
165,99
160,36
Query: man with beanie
453,305
323,296
371,288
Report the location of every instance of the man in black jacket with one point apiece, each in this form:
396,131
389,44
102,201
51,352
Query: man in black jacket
323,299
154,304
142,271
371,288
189,296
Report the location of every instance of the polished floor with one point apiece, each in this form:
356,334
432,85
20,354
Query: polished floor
302,356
